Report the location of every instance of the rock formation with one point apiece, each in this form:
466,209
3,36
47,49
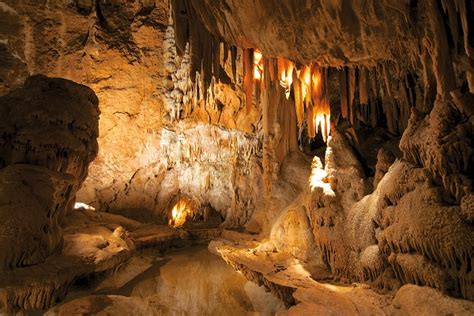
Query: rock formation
326,146
49,132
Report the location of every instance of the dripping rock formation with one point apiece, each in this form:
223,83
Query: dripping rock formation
322,149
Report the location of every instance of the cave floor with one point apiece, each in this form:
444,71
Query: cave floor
114,265
296,284
195,281
186,281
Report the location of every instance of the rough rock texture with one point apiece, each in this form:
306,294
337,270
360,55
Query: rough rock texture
33,201
404,230
48,137
125,51
411,60
443,143
334,33
229,140
94,242
50,122
415,300
290,279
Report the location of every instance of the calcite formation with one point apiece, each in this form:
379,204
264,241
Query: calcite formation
51,123
125,51
338,133
33,201
48,137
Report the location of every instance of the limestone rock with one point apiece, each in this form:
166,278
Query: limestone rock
94,242
52,123
384,161
33,201
416,300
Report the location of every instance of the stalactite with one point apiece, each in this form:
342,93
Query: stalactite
233,57
206,63
351,83
310,122
461,8
299,106
285,74
363,86
373,110
271,69
216,57
248,77
181,26
343,93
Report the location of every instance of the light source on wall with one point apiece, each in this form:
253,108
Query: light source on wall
257,65
180,212
285,74
318,178
83,206
309,84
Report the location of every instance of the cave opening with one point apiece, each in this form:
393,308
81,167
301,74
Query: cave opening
277,157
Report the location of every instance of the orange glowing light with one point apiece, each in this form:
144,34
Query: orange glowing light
309,87
285,74
322,120
305,77
179,213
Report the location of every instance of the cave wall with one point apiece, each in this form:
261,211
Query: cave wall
412,59
167,130
150,110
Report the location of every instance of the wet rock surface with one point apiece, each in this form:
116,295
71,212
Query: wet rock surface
204,101
189,281
94,243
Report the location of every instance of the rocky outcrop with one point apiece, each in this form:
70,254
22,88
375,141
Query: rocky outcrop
33,201
94,243
48,137
125,51
442,142
291,280
52,123
402,231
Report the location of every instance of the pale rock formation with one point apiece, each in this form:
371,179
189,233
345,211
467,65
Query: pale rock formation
125,51
94,243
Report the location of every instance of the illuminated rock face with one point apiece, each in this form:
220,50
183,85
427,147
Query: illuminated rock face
125,51
184,111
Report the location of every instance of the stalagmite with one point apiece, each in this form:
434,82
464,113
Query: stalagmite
215,129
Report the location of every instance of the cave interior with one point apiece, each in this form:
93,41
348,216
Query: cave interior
236,157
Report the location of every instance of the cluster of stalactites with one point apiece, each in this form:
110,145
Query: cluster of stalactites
204,47
309,84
